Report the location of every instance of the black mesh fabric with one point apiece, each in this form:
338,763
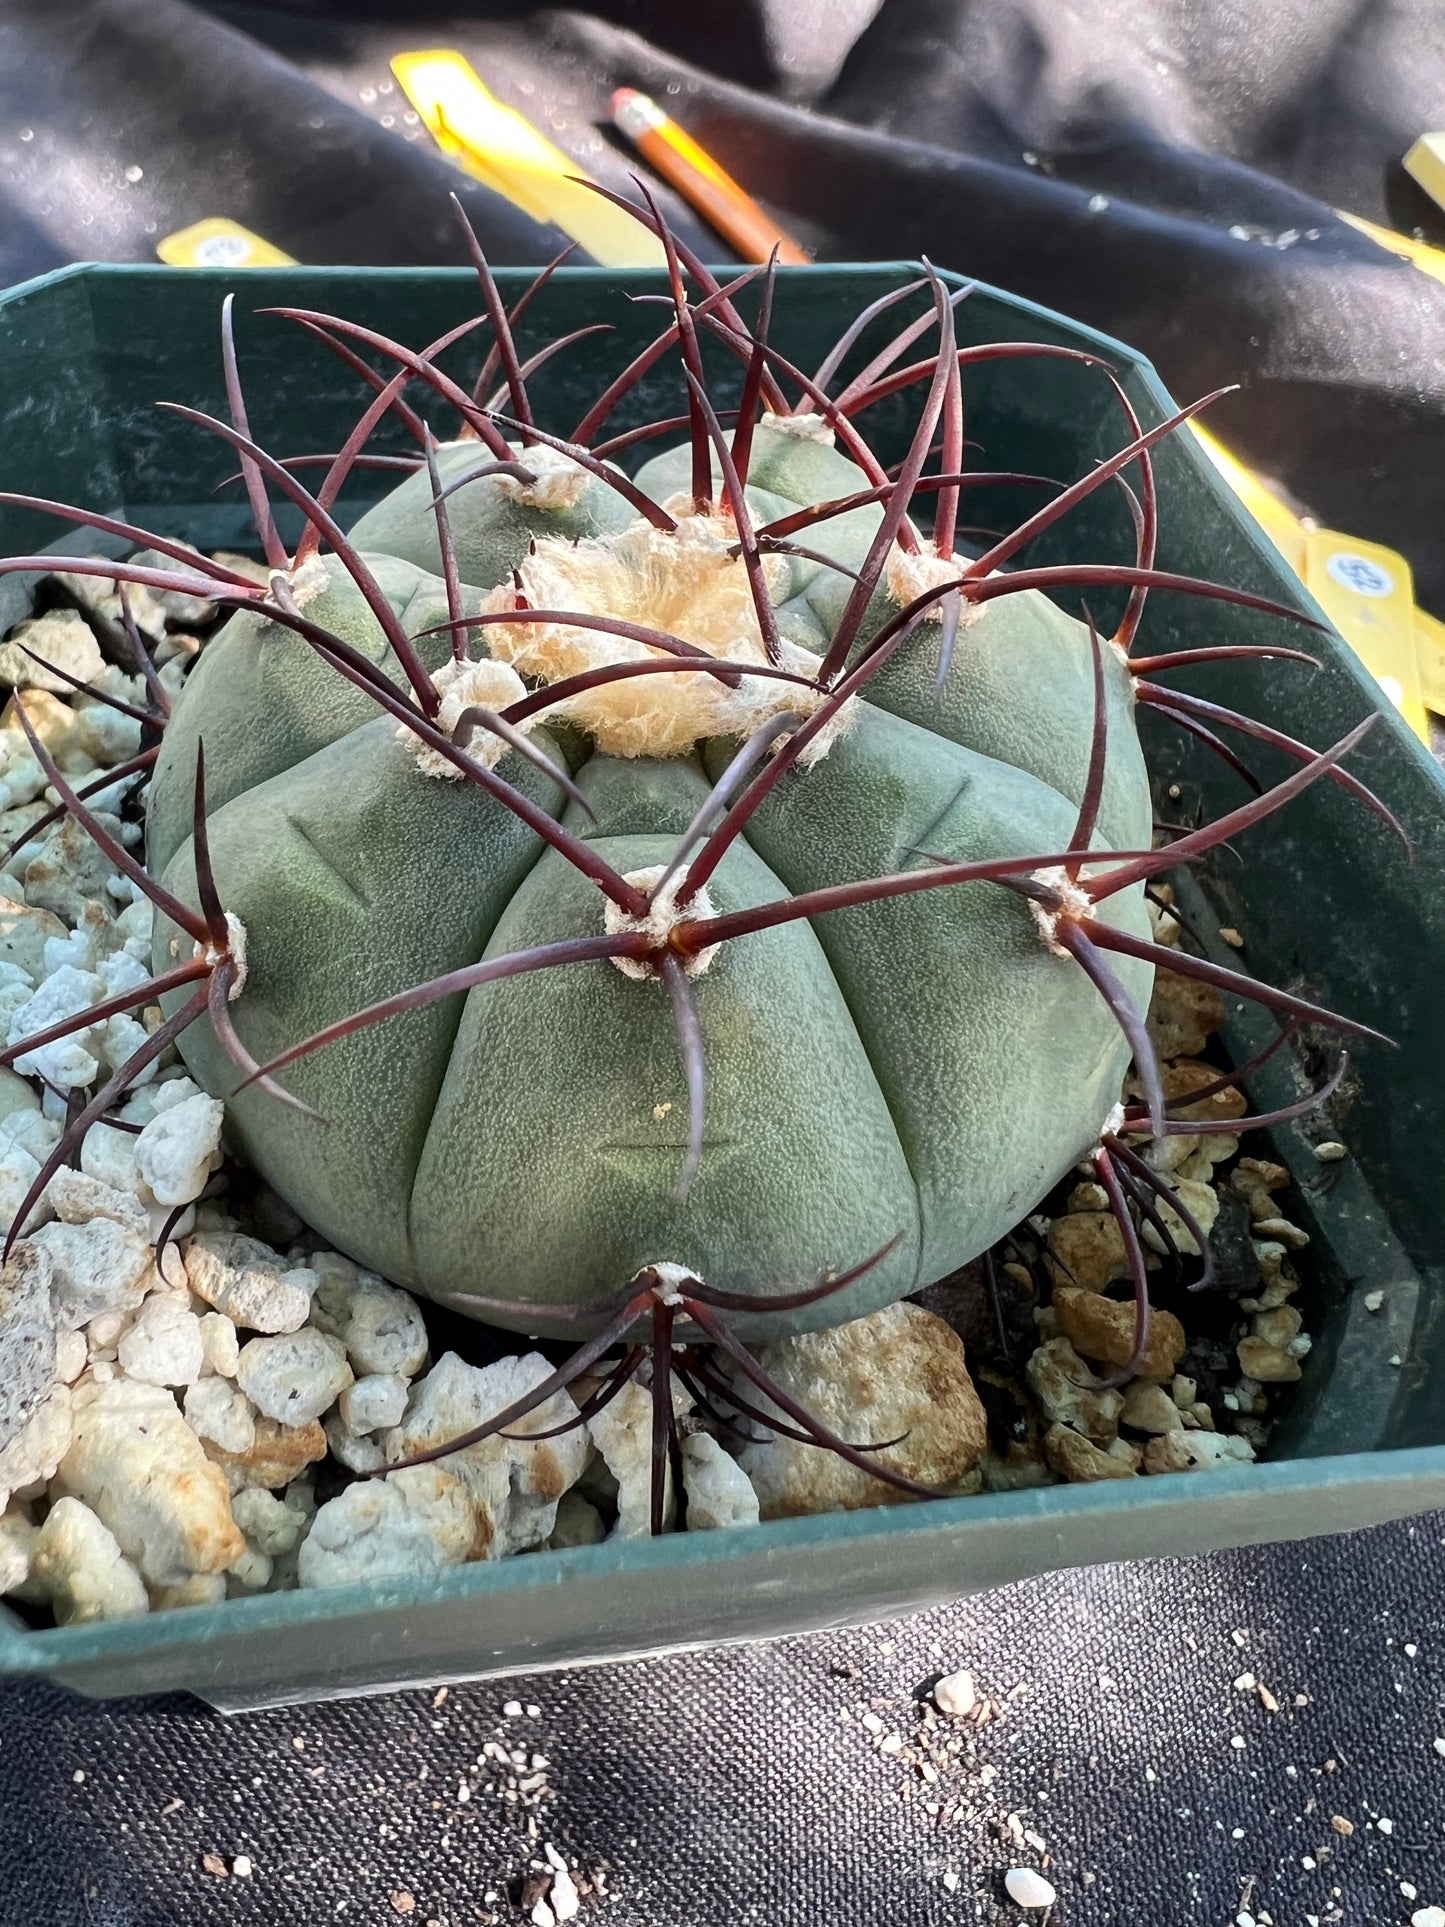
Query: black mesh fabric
729,1787
1167,169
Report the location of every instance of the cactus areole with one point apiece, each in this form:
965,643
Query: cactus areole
702,875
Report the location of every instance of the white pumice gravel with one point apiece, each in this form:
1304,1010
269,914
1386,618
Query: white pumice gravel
79,1566
416,1520
162,1345
218,1410
717,1489
178,1150
27,1337
249,1282
294,1378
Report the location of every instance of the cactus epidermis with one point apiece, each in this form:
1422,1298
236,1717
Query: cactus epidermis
919,1070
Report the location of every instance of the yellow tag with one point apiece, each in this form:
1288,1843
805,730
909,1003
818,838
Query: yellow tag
1368,593
1430,649
1280,524
1427,259
1425,163
220,244
500,147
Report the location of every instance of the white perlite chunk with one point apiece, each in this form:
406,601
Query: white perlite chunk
249,1282
717,1488
62,639
134,1460
24,933
1028,1889
375,1403
416,1520
178,1150
357,1454
271,1525
622,1433
162,1345
82,1569
220,1347
380,1326
514,1485
27,1337
36,1450
108,1155
76,1197
67,1062
97,1267
71,1355
215,1409
294,1378
17,1548
18,1171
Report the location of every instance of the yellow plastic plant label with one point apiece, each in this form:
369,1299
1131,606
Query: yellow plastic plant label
1368,593
1425,163
220,244
500,147
1428,260
1430,649
1279,523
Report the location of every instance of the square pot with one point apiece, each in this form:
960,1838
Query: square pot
1321,893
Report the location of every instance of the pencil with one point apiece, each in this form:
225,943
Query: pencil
689,168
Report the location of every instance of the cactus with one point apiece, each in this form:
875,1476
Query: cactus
706,876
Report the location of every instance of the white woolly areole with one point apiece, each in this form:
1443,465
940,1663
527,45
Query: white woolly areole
670,1280
687,584
906,577
1113,1123
561,483
804,427
1076,903
462,686
663,913
305,583
235,949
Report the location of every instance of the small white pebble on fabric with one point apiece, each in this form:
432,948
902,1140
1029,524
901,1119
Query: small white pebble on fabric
1026,1888
954,1694
1428,1917
1330,1152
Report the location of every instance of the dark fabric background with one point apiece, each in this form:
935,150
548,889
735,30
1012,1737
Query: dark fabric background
1094,156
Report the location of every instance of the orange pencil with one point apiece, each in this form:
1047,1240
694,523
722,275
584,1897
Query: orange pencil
689,168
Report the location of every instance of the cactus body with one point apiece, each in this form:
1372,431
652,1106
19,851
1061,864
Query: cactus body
921,1069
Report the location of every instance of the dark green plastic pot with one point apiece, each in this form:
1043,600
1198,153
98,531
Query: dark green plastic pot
1322,894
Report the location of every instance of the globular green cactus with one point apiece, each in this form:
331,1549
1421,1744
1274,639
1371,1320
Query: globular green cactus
569,879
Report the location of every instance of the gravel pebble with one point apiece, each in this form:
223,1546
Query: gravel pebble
955,1695
1028,1889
